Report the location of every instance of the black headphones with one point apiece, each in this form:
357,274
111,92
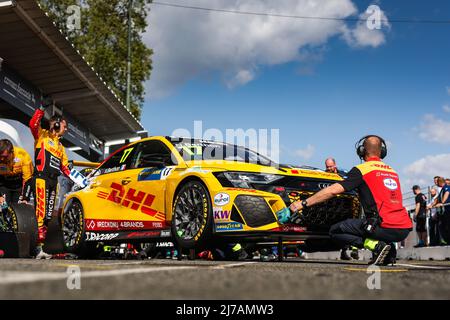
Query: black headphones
57,125
361,150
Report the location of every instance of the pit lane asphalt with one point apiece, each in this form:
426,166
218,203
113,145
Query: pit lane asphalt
168,279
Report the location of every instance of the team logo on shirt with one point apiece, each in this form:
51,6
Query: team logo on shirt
391,184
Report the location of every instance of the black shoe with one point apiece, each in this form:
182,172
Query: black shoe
240,255
379,254
391,257
354,254
344,255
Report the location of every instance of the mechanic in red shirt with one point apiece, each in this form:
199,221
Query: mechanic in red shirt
386,220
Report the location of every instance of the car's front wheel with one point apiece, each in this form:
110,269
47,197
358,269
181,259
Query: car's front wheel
192,220
73,228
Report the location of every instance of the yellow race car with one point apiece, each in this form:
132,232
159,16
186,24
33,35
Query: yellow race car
197,193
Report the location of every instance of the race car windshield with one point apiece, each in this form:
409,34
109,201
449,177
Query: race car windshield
207,150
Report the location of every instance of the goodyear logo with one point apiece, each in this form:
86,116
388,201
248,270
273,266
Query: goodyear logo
133,199
231,226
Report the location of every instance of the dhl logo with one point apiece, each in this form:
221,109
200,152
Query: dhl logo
133,199
56,152
40,208
382,166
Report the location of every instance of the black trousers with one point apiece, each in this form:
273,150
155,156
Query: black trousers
444,226
433,230
351,233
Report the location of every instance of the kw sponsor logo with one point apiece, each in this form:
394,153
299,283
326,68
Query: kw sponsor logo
220,214
133,199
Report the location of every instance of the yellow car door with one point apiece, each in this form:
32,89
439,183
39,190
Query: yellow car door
146,183
109,181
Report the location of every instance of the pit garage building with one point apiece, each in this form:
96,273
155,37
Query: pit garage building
35,60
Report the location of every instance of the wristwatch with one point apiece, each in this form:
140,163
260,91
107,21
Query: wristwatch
305,204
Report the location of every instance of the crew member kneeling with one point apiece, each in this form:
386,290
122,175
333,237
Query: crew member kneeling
50,161
16,170
378,185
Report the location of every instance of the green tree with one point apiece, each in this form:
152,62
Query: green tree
103,41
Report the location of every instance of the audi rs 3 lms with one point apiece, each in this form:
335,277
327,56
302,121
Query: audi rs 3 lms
196,192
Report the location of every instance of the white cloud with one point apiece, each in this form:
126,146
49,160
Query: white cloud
446,108
448,90
434,129
423,171
362,35
193,44
241,78
306,153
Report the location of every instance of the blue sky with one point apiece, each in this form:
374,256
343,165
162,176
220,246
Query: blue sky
328,98
323,84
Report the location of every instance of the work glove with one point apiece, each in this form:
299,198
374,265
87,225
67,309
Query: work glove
287,216
284,215
3,204
371,223
47,101
77,178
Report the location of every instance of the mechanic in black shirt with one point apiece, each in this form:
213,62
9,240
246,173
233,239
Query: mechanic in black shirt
386,220
420,217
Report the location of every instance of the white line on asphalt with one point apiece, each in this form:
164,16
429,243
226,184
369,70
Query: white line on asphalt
14,277
232,265
421,266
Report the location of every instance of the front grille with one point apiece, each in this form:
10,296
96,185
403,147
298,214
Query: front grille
255,211
322,216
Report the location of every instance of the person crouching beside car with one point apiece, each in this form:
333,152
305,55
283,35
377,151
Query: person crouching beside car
387,220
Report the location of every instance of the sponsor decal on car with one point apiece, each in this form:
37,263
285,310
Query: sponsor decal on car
143,234
93,236
293,228
111,225
221,215
125,155
230,226
221,199
165,245
133,199
154,174
165,233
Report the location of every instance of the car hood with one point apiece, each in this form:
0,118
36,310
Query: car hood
217,166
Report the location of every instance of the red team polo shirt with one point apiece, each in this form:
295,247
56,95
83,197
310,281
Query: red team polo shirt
380,193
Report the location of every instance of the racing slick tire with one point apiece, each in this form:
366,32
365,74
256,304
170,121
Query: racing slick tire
192,219
22,218
74,235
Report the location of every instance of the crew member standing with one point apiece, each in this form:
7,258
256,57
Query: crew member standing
386,220
50,161
16,170
420,217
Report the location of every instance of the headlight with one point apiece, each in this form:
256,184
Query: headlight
245,180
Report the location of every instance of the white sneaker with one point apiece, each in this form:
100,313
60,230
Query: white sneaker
42,255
